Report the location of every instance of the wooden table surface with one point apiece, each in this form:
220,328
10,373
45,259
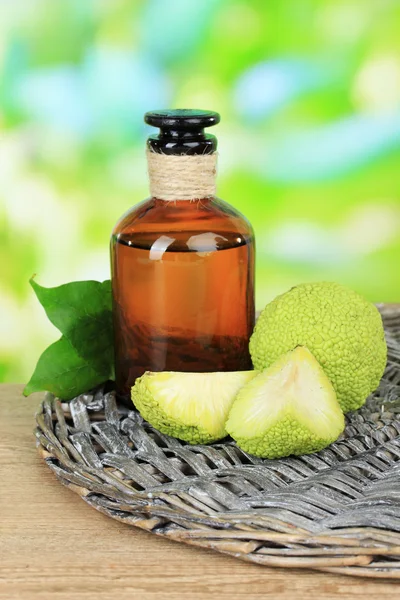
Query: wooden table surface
54,546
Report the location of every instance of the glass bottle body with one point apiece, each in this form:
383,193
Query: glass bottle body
183,289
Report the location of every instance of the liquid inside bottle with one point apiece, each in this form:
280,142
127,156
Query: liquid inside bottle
183,300
182,263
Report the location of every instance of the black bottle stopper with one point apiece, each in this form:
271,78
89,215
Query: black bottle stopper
182,131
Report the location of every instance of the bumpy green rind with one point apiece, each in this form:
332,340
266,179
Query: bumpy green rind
284,439
342,330
153,413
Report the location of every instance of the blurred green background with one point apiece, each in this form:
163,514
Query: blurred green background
309,92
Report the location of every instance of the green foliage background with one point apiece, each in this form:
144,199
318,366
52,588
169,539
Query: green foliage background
309,92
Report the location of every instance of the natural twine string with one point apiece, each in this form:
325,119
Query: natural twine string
186,177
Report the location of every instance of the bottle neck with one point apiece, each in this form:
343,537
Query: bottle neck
175,141
182,177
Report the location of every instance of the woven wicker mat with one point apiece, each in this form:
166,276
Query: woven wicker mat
337,510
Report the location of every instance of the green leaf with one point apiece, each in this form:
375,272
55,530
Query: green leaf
84,356
81,310
63,372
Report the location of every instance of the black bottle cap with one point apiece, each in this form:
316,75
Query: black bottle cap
182,131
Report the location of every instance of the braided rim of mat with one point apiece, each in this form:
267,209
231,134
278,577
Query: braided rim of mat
337,510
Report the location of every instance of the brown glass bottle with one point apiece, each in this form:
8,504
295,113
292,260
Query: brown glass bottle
182,273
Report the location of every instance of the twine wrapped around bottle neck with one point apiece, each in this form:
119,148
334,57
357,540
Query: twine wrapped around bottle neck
182,177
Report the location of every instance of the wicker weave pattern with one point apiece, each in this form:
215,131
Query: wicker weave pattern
337,510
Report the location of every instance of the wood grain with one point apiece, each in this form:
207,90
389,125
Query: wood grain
53,546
